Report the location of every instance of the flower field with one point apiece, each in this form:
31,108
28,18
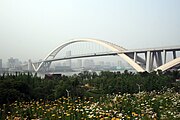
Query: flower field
143,105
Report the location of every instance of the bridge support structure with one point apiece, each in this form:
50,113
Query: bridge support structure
154,59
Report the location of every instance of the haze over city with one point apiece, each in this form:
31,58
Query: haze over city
31,29
89,59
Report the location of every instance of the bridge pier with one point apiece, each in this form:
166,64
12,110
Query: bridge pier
159,59
135,56
174,54
164,54
148,60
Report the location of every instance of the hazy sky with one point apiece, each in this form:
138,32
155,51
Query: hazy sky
32,28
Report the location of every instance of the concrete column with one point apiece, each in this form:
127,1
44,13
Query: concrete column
148,59
164,54
152,61
135,56
174,54
145,54
158,58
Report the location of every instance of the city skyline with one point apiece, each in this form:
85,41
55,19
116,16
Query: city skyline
15,65
30,29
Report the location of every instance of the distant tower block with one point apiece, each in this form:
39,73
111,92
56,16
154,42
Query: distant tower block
79,63
88,63
29,65
0,64
119,64
68,62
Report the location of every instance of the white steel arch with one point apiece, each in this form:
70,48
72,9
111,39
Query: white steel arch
111,46
169,64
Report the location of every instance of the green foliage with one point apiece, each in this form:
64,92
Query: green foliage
12,90
27,87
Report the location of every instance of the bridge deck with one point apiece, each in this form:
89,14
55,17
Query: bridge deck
131,51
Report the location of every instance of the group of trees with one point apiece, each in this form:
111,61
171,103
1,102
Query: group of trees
23,86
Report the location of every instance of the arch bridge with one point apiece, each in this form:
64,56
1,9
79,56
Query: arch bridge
153,58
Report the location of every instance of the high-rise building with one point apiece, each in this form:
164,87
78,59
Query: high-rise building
108,63
68,62
30,65
11,63
79,63
88,63
101,63
119,64
0,63
14,64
